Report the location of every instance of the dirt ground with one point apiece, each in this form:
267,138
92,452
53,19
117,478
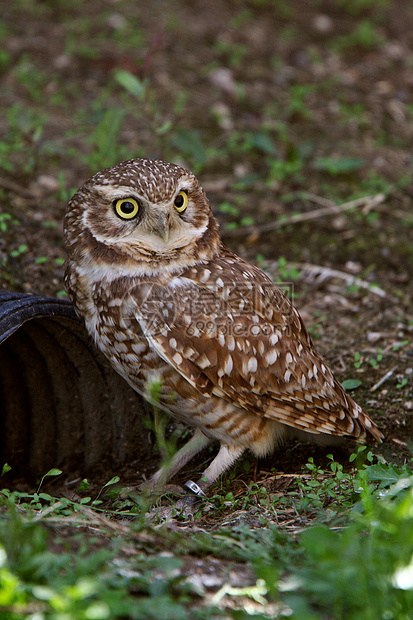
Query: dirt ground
281,108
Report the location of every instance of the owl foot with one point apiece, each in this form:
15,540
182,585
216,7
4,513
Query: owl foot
185,507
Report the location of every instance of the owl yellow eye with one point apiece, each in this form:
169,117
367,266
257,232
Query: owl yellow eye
126,208
181,201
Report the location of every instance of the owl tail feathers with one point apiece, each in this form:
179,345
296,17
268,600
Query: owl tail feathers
365,429
357,424
353,422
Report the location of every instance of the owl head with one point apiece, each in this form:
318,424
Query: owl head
140,210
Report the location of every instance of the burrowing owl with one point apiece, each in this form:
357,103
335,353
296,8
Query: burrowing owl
170,306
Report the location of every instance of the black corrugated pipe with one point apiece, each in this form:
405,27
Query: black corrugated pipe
61,404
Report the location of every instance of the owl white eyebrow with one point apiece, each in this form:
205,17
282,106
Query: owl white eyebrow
123,191
184,186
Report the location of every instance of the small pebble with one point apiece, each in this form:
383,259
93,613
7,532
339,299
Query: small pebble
322,23
117,21
224,79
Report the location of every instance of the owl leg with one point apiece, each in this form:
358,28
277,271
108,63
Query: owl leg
226,457
197,442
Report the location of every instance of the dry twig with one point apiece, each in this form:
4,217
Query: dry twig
320,273
383,379
16,188
367,203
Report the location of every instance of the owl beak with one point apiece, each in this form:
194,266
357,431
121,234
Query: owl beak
161,227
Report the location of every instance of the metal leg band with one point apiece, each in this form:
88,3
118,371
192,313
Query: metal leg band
192,486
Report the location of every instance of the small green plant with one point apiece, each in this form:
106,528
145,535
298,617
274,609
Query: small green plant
31,78
364,36
400,345
261,261
351,384
4,59
375,361
227,208
158,422
234,53
322,490
20,145
337,166
373,183
402,383
298,102
316,329
19,251
286,271
61,293
357,7
7,220
132,84
40,260
250,142
190,143
64,194
355,113
282,169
